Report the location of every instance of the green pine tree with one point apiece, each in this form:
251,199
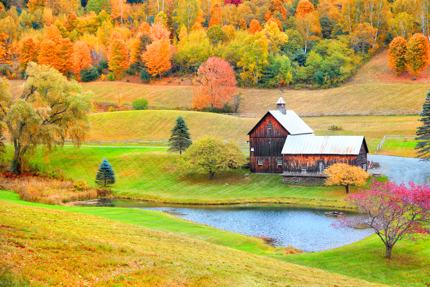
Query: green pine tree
423,132
180,139
105,175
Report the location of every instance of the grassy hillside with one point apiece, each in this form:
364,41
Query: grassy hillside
407,268
71,249
375,90
154,125
150,174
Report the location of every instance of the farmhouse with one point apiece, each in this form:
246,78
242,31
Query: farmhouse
281,142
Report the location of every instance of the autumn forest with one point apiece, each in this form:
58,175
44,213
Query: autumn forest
267,43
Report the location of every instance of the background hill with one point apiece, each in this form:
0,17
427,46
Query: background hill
374,90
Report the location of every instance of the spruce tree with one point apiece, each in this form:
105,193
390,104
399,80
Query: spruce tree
180,139
423,132
105,175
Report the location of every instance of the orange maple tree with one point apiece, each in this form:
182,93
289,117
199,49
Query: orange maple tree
397,55
81,58
417,54
27,51
254,26
304,7
217,84
158,57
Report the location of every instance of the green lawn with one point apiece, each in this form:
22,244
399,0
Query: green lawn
149,173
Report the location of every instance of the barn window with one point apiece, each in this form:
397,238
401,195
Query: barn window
279,162
269,128
260,162
321,166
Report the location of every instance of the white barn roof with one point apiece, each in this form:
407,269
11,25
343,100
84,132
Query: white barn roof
310,144
291,122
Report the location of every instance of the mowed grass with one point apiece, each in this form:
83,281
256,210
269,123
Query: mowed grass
150,173
50,247
409,266
155,125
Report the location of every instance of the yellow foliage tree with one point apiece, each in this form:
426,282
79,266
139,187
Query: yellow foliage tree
346,175
118,57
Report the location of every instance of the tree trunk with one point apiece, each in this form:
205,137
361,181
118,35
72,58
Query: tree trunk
347,188
388,251
16,166
211,175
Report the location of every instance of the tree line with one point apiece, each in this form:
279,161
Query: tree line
268,43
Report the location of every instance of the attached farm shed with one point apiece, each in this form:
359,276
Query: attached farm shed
281,142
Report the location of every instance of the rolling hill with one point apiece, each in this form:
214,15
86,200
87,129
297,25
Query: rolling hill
155,125
85,250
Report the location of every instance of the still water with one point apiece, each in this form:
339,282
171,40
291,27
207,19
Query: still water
307,230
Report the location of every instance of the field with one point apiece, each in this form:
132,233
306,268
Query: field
154,126
133,227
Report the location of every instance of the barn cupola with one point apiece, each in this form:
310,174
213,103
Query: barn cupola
280,104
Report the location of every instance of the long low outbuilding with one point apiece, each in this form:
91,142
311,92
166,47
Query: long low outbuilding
281,142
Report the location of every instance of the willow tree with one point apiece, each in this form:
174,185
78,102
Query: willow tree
5,98
49,111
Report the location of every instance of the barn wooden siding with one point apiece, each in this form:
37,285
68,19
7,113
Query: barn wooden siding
266,145
310,163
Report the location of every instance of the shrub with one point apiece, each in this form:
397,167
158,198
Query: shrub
140,104
144,75
90,74
110,77
211,155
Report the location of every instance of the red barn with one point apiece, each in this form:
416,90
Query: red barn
281,142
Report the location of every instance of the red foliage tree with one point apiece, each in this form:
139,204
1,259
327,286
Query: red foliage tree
394,211
217,84
234,2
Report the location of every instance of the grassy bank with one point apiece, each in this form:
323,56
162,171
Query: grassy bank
365,259
72,249
149,173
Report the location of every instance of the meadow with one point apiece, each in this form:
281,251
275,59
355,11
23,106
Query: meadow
119,253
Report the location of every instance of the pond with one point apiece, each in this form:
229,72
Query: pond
307,230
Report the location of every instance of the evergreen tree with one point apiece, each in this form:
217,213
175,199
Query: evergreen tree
180,139
423,132
105,175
